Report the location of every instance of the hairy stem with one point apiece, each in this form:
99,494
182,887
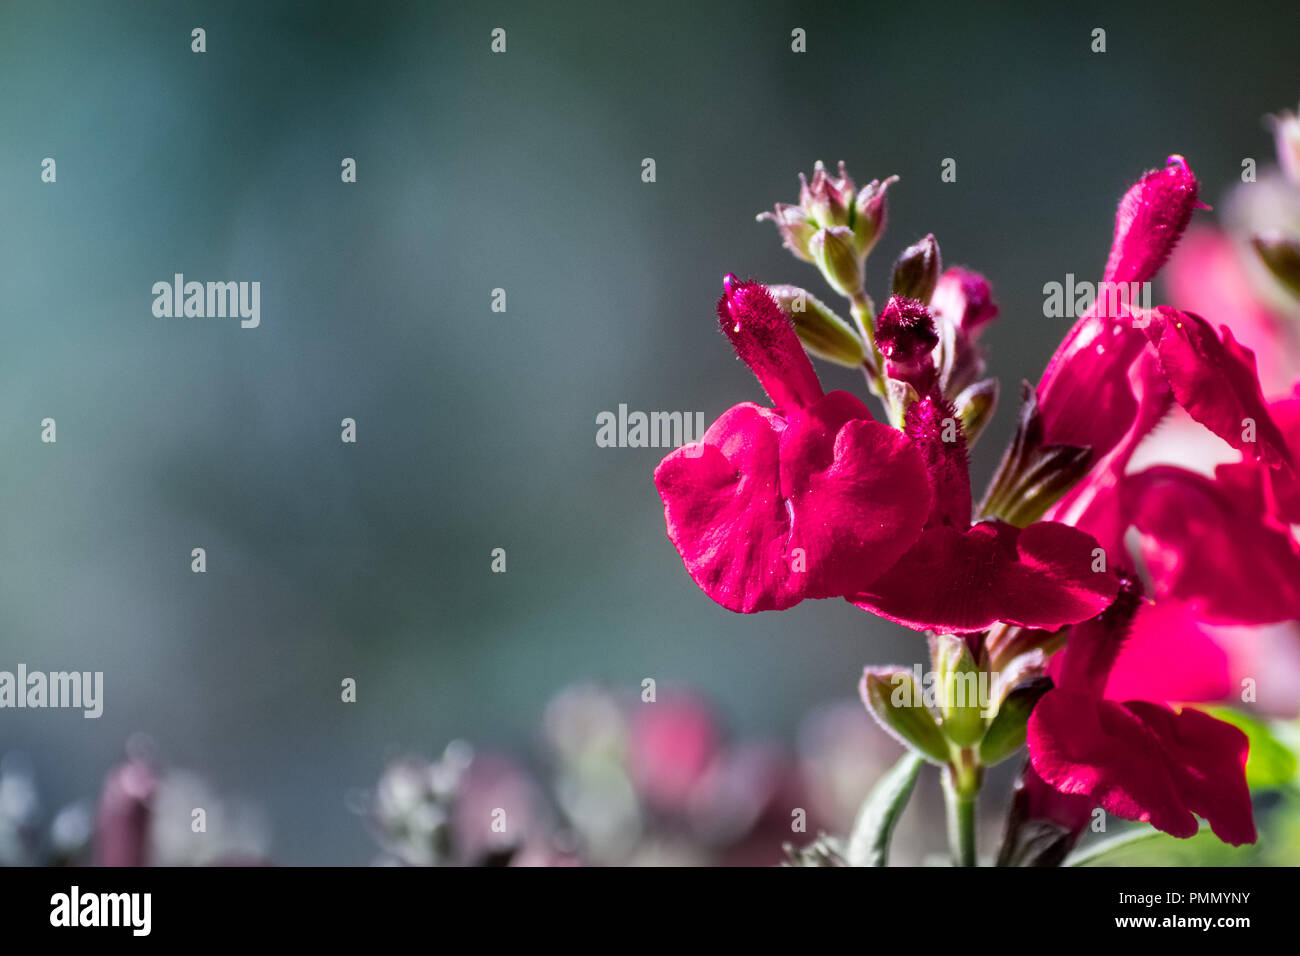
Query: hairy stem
863,311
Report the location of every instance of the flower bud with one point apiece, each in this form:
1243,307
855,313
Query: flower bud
822,332
960,679
870,214
827,200
895,700
1151,218
795,227
1282,256
1034,473
124,815
906,335
1007,731
917,270
832,250
975,407
965,299
1286,132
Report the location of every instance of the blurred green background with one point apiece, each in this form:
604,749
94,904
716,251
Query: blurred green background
476,429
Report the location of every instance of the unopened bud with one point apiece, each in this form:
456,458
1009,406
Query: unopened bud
975,406
960,690
795,227
827,200
1282,256
870,213
916,272
965,299
906,335
1007,731
832,250
895,700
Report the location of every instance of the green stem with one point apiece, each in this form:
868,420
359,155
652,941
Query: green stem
863,311
960,791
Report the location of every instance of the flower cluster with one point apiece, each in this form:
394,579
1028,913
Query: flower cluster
1033,591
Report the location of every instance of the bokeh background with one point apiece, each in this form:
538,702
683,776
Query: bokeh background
476,429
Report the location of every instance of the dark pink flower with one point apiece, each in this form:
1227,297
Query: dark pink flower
810,499
959,577
1084,396
1087,394
1138,760
814,499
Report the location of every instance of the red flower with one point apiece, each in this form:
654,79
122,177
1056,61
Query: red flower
964,578
810,499
1138,760
1085,396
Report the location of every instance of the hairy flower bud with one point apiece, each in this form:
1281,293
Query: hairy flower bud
906,335
1150,220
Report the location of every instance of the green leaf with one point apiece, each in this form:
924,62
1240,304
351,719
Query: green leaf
1106,852
872,830
1147,846
1272,763
897,703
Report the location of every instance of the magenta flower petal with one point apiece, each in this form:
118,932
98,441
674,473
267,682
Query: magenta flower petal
1151,218
767,510
964,298
1206,275
946,462
961,581
1084,396
1169,656
1144,761
1215,381
1283,484
1209,548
